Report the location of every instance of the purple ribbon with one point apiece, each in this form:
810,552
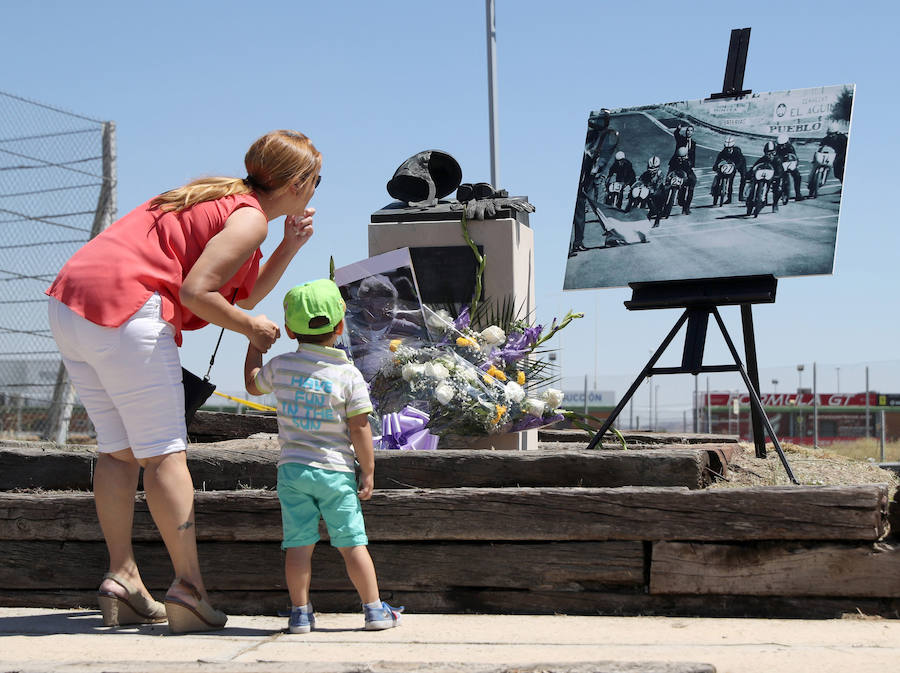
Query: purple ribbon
406,431
530,422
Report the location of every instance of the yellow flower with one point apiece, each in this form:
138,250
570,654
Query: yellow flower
487,379
520,378
395,344
500,411
463,342
496,373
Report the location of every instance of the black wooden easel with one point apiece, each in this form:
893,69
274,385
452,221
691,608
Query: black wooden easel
701,298
735,65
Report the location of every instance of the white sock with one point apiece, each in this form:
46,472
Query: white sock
306,609
373,606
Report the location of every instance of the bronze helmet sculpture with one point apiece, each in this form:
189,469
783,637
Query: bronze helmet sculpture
425,177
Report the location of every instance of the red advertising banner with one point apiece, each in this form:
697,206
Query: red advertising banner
794,400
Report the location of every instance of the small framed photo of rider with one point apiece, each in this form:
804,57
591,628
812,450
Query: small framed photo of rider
711,188
383,304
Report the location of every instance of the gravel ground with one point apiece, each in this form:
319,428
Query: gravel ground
812,467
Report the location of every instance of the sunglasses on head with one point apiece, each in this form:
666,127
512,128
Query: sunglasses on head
318,180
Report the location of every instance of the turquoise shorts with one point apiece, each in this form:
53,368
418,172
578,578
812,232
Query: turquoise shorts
306,493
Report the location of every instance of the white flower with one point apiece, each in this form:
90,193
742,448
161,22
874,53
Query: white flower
439,320
447,361
493,335
444,393
553,397
411,370
514,392
436,370
469,374
533,406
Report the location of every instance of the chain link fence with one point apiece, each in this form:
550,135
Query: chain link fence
57,190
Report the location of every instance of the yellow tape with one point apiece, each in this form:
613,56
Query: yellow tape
252,405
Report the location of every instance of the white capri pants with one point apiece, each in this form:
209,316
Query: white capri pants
128,378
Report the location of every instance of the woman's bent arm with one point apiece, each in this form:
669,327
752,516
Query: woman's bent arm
223,255
297,232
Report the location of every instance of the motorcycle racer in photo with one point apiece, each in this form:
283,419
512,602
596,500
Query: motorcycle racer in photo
653,179
769,159
731,152
621,174
785,152
836,139
682,162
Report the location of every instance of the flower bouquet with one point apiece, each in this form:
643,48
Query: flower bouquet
469,381
480,373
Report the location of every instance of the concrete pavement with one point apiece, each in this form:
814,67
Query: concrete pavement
37,639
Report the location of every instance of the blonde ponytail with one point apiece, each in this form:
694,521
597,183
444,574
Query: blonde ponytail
198,191
273,161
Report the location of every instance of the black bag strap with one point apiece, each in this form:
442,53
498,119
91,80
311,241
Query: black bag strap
212,359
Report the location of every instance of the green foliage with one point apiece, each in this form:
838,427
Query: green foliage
479,259
581,421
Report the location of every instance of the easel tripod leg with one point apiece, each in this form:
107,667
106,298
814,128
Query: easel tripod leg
759,439
645,373
754,398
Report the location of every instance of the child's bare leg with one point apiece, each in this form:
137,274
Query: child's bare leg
298,572
361,571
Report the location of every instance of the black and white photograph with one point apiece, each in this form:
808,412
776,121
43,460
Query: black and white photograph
711,188
383,303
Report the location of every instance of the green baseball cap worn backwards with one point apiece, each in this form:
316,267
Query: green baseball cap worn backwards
316,299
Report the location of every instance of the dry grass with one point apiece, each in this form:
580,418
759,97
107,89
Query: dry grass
812,467
865,449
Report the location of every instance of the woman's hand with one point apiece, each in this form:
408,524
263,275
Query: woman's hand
298,230
263,333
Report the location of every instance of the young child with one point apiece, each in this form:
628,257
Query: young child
323,406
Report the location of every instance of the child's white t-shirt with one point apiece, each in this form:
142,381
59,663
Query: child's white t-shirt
317,389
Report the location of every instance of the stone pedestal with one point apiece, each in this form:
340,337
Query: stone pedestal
435,234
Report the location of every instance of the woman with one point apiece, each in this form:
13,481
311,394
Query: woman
117,310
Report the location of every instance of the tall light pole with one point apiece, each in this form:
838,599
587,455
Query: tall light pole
696,404
708,409
799,378
815,410
867,402
775,385
492,89
838,369
656,406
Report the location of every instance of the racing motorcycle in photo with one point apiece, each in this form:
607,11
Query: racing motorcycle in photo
615,192
638,196
762,182
790,165
674,188
823,160
723,182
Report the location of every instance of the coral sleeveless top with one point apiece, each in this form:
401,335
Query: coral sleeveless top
109,278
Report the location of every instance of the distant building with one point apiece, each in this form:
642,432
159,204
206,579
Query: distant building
841,416
27,381
596,399
26,391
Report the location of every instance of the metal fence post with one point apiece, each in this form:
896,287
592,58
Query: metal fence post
60,413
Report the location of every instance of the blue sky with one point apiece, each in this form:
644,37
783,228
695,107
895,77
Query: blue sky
191,84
